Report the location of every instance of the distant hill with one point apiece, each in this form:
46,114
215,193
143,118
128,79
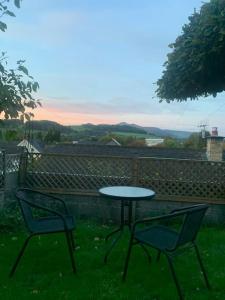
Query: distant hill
45,125
179,134
104,129
89,129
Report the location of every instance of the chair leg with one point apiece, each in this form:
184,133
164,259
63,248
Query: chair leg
20,256
146,252
175,277
158,255
70,248
72,240
127,259
202,266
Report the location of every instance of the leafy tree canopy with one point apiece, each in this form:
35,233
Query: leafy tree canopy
16,85
196,66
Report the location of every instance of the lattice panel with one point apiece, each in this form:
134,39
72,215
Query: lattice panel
1,171
203,179
168,177
12,163
77,172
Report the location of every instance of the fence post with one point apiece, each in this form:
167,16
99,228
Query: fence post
23,169
135,171
4,170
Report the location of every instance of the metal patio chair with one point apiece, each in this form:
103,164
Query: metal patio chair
31,201
167,240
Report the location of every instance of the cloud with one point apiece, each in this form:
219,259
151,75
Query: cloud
53,28
117,106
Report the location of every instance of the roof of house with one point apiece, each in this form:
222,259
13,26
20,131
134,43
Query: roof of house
113,142
38,145
10,147
126,151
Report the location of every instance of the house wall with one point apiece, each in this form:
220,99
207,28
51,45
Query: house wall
215,148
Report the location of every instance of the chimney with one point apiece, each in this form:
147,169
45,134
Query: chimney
215,146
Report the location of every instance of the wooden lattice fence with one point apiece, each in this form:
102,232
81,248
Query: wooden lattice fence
172,179
12,163
190,179
2,170
76,173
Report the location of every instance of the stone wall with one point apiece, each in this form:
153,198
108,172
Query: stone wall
106,210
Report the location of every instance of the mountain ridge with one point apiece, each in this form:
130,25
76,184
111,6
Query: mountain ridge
179,134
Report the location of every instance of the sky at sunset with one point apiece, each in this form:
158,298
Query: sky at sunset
97,61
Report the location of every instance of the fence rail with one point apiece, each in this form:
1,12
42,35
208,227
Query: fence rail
171,179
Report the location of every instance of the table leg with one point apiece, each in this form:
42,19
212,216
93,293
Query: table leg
130,214
120,230
113,244
112,233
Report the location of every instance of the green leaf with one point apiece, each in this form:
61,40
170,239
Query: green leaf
23,69
1,68
3,26
9,13
17,3
35,86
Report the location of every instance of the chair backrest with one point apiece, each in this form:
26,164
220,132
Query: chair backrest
25,198
192,221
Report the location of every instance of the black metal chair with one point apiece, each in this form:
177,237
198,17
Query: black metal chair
168,241
54,220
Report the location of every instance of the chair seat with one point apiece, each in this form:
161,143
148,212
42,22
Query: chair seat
157,236
51,224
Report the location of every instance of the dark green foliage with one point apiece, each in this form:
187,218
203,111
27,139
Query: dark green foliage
195,141
39,136
170,142
94,132
196,66
11,135
16,85
4,11
52,136
10,214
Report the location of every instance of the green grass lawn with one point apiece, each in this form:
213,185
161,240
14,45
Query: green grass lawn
45,271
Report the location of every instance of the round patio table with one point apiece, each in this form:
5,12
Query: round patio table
127,195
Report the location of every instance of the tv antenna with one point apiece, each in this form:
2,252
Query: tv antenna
202,125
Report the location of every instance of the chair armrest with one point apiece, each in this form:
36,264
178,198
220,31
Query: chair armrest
183,208
51,197
159,218
51,211
150,220
173,214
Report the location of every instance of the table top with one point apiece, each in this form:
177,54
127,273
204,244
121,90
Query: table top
127,192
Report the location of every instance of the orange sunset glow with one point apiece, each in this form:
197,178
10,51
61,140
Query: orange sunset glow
67,118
